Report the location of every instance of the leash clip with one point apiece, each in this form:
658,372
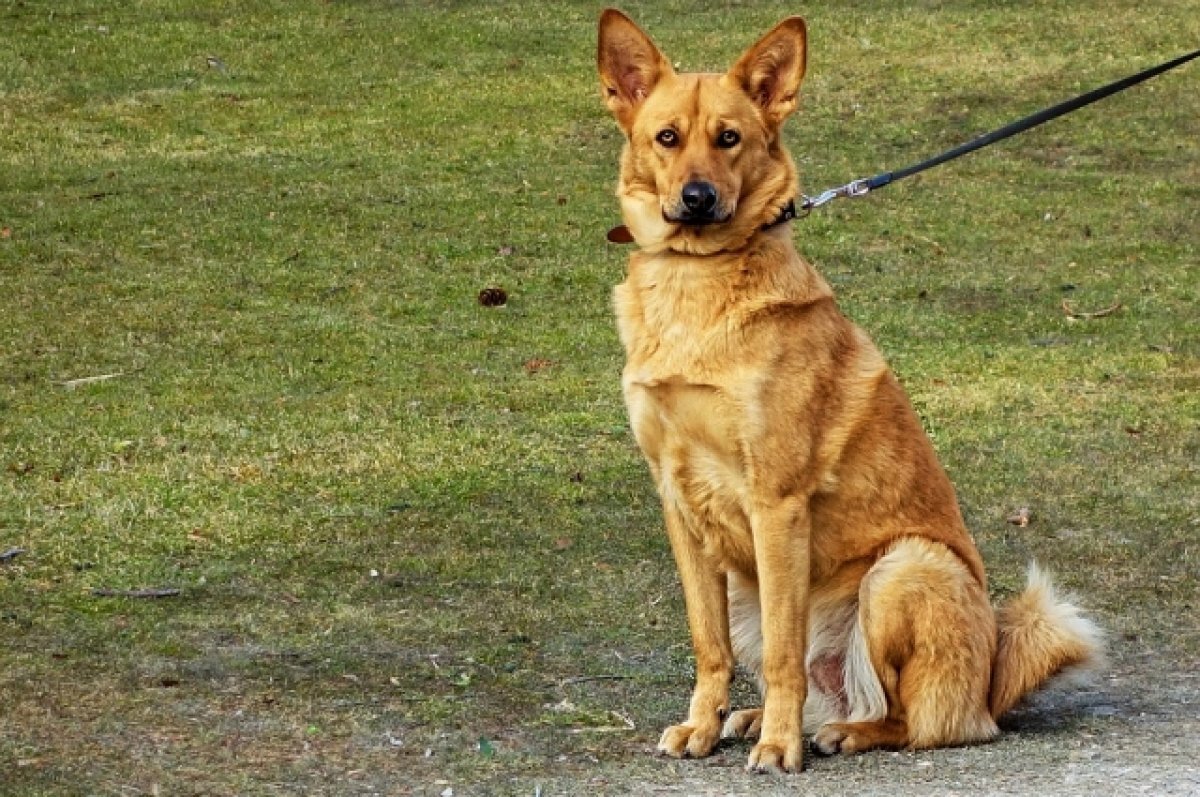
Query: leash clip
852,189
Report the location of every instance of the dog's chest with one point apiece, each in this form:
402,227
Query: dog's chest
690,415
690,435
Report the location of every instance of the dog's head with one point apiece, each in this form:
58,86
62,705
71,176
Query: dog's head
703,167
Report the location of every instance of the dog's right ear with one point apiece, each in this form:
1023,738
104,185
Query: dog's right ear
629,64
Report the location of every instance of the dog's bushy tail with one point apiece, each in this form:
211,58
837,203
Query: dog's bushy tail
1040,635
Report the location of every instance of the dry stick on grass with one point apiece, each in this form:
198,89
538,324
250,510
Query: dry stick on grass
71,384
1080,314
582,679
103,592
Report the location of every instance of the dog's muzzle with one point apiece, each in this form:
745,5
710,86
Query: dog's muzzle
698,204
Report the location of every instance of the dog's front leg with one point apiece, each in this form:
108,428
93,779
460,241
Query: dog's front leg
708,617
781,552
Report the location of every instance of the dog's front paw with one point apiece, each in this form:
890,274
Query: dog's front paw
688,740
777,757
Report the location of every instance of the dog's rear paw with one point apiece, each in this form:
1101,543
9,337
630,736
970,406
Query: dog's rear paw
688,741
859,737
828,740
744,724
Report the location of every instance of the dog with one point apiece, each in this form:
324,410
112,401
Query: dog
818,540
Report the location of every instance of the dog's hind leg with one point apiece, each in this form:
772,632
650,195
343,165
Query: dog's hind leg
930,634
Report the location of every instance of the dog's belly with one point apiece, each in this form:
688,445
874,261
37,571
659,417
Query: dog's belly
842,683
689,437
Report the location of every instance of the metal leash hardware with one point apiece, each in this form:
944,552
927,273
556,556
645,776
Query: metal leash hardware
854,188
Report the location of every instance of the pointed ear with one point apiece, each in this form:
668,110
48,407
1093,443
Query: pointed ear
629,63
770,72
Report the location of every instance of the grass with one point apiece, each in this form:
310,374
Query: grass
413,558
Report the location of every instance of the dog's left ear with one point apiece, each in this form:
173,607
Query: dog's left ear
771,71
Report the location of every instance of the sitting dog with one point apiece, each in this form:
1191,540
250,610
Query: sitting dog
818,540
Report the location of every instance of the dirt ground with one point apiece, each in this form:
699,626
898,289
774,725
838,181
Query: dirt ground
1135,729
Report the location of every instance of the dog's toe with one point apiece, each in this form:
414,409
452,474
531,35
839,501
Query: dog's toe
828,740
687,741
776,759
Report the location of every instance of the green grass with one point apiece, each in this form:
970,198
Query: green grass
271,222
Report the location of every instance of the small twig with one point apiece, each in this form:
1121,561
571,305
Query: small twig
10,554
625,719
1080,314
628,725
71,384
103,592
937,247
583,679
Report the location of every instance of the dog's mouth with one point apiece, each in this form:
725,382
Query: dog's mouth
688,219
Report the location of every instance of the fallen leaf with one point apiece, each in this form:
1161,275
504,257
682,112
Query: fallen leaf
536,364
1021,517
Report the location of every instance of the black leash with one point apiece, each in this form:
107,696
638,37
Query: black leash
863,186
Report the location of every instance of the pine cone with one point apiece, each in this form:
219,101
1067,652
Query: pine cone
494,296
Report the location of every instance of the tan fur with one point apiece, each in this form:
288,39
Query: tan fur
818,540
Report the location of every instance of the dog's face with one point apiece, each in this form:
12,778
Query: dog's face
703,167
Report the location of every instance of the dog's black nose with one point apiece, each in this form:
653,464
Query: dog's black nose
700,198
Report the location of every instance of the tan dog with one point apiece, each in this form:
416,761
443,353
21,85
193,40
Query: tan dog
818,540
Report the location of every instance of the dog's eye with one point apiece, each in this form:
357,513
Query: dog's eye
728,139
667,137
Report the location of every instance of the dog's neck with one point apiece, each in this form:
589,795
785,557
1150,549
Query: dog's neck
621,234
